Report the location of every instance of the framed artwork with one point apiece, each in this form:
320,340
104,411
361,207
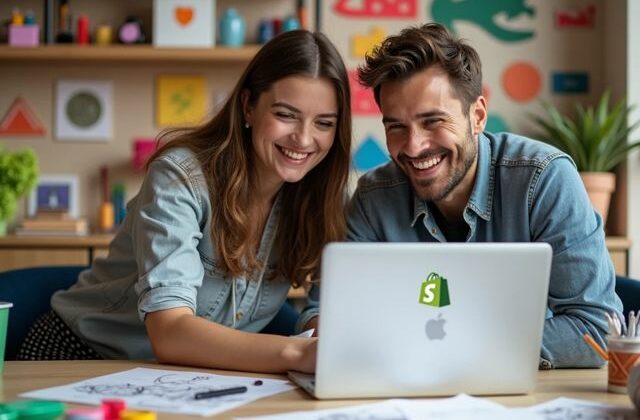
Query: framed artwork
55,194
181,100
84,110
184,23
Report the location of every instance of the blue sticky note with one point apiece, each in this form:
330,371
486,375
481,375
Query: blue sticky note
369,154
565,82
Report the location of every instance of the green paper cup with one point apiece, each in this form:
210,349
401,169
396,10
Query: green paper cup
4,323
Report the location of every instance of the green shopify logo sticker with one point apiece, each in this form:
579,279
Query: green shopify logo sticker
434,291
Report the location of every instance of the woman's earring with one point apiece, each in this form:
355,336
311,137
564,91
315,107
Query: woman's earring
247,125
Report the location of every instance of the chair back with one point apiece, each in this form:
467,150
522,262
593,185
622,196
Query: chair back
30,290
629,292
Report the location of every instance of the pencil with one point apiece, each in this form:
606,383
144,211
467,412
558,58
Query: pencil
592,343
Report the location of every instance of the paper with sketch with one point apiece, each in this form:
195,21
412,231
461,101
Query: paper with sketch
164,390
461,407
568,408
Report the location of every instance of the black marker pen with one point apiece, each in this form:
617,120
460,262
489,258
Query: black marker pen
220,392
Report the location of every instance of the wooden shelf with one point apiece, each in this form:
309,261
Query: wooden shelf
63,54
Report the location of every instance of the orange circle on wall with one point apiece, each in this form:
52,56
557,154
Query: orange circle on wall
521,81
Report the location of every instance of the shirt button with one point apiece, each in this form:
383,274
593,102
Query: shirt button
433,231
238,316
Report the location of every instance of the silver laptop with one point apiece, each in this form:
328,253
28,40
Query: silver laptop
409,320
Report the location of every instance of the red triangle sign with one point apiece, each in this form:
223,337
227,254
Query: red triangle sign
20,120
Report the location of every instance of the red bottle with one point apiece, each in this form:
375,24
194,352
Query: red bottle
82,34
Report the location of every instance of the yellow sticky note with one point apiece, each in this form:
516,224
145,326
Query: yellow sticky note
181,100
362,44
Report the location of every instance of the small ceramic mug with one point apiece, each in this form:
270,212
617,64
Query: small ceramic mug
624,354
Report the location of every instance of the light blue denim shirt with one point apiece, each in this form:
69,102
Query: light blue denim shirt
524,191
163,257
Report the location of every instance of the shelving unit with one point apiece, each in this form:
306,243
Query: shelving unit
77,54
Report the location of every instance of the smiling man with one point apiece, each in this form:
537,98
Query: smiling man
449,181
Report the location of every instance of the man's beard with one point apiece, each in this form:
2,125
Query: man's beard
468,152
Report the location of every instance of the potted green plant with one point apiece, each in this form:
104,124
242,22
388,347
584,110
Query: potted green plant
18,175
596,139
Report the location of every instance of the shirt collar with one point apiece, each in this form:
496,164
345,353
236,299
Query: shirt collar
481,197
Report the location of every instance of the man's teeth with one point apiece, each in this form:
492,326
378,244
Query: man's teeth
294,155
427,163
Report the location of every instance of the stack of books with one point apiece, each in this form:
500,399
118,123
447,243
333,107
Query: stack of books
53,223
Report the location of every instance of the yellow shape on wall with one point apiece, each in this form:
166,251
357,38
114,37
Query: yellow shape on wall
362,44
180,100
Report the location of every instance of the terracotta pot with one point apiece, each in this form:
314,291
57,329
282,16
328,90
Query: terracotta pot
600,186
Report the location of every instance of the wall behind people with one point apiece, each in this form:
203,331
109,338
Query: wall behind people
134,93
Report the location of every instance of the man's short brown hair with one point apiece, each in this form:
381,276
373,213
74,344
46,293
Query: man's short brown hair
417,48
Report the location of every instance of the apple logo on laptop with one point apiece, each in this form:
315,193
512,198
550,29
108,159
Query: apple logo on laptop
435,328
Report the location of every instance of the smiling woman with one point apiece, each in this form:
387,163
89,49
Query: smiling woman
229,216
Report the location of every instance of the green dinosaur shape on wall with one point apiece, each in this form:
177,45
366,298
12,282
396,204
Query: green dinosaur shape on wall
483,13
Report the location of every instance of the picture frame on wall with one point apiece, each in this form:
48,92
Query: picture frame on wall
84,110
184,23
55,194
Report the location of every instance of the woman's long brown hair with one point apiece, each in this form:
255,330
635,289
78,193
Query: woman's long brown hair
313,208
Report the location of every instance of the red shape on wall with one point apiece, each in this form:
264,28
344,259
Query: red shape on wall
377,8
362,102
584,18
20,120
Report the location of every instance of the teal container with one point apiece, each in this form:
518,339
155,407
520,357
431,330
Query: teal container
4,325
36,410
7,413
232,28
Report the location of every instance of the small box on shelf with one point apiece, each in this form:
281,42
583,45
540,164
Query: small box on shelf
24,35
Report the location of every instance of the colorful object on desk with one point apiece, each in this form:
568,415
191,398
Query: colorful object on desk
623,343
112,407
633,386
137,415
624,353
84,414
36,410
20,120
595,346
232,28
106,216
220,392
4,324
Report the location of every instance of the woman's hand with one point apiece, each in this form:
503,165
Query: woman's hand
301,354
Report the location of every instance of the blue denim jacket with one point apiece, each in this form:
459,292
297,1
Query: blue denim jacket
525,191
163,257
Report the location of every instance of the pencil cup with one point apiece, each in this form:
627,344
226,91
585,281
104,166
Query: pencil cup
634,386
624,353
4,324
